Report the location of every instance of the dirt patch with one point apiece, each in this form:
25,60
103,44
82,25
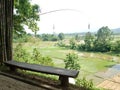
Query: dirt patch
7,83
16,81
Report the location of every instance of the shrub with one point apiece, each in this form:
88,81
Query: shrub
61,36
72,44
85,84
38,58
116,46
20,54
61,44
81,47
71,61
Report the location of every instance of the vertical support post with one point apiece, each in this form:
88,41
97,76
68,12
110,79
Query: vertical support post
9,28
64,81
2,31
13,69
6,26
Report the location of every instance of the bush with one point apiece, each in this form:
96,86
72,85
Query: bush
38,58
20,54
72,44
25,38
116,46
71,61
49,37
81,47
61,36
102,47
85,84
61,44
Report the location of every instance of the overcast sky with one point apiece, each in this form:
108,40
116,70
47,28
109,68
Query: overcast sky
78,15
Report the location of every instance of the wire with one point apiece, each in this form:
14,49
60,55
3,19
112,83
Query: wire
59,10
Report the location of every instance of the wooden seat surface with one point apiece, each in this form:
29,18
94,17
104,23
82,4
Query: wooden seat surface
43,69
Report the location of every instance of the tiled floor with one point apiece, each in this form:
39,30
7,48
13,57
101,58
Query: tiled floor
111,84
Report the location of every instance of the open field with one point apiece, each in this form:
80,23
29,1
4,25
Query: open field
90,62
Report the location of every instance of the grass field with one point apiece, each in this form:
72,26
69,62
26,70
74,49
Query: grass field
90,62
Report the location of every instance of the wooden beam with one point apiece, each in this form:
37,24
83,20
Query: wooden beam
6,26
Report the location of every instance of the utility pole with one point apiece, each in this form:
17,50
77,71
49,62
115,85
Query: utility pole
88,27
53,29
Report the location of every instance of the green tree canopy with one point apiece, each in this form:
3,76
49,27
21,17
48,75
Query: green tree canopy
89,38
61,36
77,37
25,14
104,34
102,42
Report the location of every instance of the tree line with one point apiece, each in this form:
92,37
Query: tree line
43,37
102,41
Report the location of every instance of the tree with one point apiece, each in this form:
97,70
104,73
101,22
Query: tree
102,42
6,26
71,61
61,36
25,14
116,46
89,38
49,37
77,37
72,44
104,34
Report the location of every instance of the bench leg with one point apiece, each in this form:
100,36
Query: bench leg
13,69
64,81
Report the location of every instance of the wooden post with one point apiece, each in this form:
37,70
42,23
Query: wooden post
64,81
6,26
13,69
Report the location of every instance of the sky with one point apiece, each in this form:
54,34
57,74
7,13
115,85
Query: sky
77,14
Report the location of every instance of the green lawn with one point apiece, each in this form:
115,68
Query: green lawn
90,62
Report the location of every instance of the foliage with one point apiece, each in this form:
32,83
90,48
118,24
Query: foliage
89,39
102,47
81,47
49,37
85,84
102,43
72,44
21,38
25,14
20,54
37,57
26,38
71,61
61,44
104,34
77,37
90,62
61,36
116,46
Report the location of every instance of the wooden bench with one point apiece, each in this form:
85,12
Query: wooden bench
63,74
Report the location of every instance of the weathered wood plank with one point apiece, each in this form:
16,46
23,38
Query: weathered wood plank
62,73
43,69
